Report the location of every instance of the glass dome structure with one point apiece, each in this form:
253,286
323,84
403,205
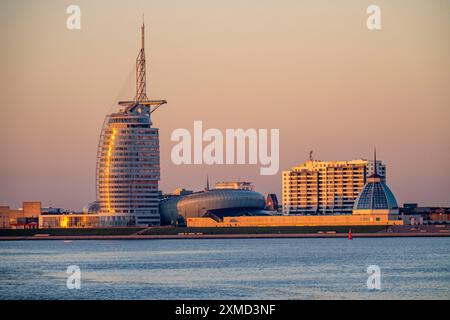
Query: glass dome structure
375,197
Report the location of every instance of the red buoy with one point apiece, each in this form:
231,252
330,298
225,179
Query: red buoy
350,237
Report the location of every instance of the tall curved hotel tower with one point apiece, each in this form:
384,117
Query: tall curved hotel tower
128,168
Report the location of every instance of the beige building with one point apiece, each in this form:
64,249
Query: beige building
22,218
75,220
326,187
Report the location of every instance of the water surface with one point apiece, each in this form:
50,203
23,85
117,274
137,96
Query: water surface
411,268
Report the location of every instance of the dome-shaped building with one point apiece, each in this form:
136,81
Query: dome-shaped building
375,197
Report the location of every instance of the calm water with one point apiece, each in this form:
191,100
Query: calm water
411,268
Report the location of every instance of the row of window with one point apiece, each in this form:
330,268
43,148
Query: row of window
149,131
130,154
134,142
115,194
107,139
128,165
127,176
129,148
129,119
153,160
118,207
142,170
139,184
152,196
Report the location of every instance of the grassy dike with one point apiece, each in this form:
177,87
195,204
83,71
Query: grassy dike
261,230
188,231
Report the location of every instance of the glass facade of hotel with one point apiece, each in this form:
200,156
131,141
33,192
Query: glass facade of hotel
128,169
326,187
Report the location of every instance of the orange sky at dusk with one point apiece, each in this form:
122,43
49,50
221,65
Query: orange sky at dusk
309,68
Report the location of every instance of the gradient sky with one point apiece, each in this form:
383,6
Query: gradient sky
310,68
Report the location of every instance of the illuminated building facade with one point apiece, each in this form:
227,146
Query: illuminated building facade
26,217
295,221
128,167
272,202
321,183
326,187
70,220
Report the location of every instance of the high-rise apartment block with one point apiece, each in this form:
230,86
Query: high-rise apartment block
326,187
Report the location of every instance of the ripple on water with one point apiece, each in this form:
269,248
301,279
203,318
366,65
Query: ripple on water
411,268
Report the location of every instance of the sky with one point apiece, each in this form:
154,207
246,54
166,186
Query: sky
311,69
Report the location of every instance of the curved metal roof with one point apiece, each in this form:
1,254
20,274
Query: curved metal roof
199,203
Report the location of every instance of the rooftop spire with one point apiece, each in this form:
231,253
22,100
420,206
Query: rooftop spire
141,80
375,159
140,98
375,173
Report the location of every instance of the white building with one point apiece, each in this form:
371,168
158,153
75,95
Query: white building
128,167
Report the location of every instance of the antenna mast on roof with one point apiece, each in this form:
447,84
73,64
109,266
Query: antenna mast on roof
375,173
140,98
141,81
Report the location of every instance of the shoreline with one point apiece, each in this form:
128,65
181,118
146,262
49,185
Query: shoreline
230,236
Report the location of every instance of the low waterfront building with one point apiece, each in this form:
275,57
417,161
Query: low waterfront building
413,214
83,220
296,221
22,218
69,220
